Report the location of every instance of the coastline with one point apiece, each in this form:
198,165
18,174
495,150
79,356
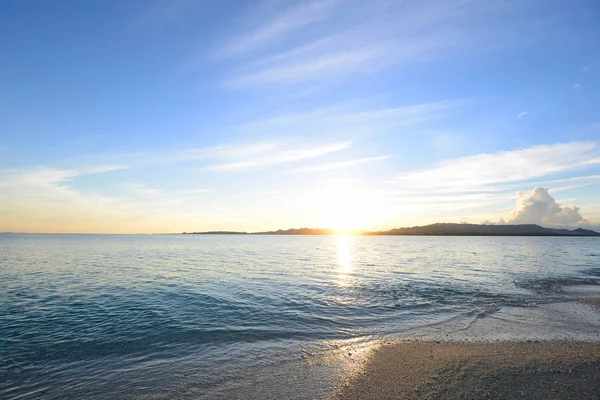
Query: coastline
437,229
478,370
493,363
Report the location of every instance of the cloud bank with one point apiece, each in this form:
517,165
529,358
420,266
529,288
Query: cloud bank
539,207
475,188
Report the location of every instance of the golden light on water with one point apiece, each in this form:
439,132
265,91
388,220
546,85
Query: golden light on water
344,259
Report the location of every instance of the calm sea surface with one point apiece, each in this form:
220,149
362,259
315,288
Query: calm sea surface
184,316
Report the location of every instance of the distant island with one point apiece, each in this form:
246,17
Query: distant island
439,229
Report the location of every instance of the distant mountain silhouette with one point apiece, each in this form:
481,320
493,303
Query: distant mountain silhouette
439,229
297,231
216,233
485,230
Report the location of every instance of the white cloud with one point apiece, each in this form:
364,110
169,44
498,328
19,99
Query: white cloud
578,181
238,155
539,207
359,37
294,69
341,164
340,118
577,86
481,171
44,193
99,169
260,193
412,113
276,29
280,155
334,119
339,55
49,176
486,182
40,176
522,114
44,199
224,151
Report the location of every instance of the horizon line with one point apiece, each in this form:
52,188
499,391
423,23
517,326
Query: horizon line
325,231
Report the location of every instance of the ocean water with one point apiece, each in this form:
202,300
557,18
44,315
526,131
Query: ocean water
211,317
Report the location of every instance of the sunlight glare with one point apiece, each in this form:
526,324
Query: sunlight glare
344,259
347,209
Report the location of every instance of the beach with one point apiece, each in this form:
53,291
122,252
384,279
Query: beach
466,370
480,369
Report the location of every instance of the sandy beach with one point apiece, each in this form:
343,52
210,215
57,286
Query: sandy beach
484,368
594,301
469,370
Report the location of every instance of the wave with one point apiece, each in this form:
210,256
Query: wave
555,285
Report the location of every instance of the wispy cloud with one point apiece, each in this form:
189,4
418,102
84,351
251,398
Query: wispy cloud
37,193
522,114
260,193
485,180
280,155
412,113
222,157
572,182
351,119
49,176
277,27
231,150
335,118
46,199
159,14
337,56
99,169
358,38
577,86
40,176
293,68
482,170
136,192
341,164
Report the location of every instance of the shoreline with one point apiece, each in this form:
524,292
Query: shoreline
477,370
481,366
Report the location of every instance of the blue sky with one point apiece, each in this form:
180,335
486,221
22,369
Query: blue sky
168,116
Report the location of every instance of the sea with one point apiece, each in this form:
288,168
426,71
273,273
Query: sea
267,317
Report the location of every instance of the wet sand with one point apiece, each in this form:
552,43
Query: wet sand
593,301
478,370
546,352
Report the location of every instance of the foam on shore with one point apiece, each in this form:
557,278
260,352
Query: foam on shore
549,351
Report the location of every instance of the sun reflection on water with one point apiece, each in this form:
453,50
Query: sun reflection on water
344,259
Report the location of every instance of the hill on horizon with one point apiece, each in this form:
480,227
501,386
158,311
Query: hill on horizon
437,229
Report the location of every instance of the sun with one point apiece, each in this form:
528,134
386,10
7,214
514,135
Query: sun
347,217
347,207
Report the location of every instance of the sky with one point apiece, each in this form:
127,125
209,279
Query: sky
170,116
